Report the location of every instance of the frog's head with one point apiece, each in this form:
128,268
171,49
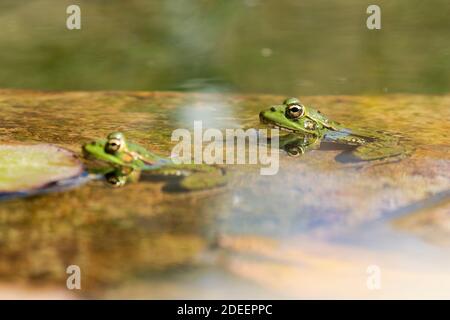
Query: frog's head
116,151
115,142
293,116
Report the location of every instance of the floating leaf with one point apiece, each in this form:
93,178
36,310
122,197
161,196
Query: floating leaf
31,169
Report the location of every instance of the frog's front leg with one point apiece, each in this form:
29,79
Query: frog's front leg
194,176
204,179
366,145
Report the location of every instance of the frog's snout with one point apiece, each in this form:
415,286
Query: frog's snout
263,117
266,116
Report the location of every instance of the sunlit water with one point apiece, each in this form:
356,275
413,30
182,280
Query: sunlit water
311,230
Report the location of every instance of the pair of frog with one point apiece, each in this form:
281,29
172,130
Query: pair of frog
307,128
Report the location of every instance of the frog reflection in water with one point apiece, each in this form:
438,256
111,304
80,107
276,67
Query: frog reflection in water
122,162
309,129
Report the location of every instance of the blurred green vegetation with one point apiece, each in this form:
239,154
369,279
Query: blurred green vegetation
285,47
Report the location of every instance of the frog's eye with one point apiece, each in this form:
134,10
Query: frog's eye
113,145
295,111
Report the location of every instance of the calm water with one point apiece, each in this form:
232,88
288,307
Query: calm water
287,47
309,231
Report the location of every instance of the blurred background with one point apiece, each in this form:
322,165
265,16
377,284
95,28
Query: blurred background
285,47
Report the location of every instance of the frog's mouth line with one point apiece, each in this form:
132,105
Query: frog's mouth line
272,124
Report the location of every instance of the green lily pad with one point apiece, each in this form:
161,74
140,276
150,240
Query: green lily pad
24,168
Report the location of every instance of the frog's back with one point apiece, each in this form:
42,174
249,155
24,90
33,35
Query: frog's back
147,155
321,118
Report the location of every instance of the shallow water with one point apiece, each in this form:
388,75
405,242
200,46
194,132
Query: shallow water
309,231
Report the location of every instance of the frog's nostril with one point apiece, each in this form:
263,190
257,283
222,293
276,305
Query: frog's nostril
273,109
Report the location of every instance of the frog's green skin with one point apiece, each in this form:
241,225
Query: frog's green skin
124,161
116,151
310,124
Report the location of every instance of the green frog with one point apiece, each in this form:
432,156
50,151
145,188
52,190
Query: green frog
122,161
309,128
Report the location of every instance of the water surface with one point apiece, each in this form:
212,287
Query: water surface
309,231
